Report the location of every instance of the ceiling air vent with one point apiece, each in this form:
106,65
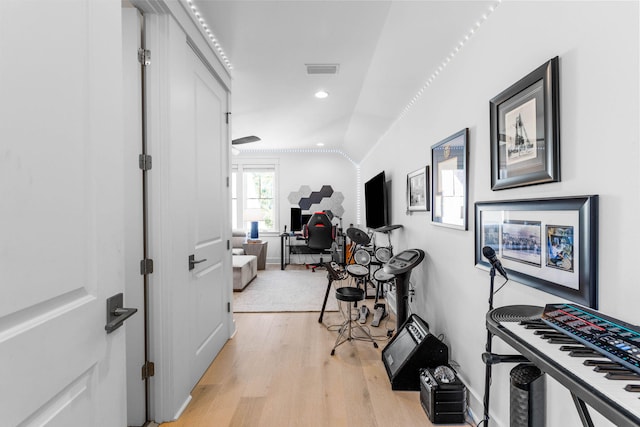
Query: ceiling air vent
322,68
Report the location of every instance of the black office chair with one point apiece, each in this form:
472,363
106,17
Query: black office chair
320,235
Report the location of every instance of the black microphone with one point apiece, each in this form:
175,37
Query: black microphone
493,359
490,254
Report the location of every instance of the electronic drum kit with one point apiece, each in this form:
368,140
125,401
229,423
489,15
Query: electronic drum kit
363,255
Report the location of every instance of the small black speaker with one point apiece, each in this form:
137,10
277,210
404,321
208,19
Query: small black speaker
527,398
410,350
444,402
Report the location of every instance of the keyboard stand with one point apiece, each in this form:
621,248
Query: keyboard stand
582,392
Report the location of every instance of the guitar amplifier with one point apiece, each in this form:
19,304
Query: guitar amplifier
411,349
444,402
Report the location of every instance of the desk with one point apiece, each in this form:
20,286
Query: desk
286,248
284,239
259,250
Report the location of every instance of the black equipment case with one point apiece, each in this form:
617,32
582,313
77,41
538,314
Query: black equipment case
444,403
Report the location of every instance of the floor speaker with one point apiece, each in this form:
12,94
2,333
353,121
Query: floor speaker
527,397
410,350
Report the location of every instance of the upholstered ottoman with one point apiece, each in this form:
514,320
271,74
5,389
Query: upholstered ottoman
245,268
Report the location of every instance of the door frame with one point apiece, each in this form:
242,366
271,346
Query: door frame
135,232
168,27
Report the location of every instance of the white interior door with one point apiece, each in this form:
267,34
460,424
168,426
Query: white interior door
208,286
189,202
61,213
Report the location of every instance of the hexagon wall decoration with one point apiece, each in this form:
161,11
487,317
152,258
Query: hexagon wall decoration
324,199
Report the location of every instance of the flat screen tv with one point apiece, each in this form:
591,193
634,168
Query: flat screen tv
376,201
296,225
298,219
304,219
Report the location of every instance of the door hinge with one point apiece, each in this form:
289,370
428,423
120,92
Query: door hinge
227,114
228,244
227,182
148,370
146,266
144,56
144,161
228,307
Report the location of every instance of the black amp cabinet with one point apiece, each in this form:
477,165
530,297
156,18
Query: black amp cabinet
411,349
443,402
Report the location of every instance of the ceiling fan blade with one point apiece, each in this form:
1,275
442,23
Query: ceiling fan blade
245,140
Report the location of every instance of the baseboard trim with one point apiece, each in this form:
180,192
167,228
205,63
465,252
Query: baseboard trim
182,407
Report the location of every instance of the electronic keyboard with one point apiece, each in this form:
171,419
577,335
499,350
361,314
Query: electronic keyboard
590,354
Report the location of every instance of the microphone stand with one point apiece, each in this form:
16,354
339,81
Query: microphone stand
489,358
487,371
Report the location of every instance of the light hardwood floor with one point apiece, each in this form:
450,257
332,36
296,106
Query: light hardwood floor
277,371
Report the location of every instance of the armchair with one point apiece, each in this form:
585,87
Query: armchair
238,237
245,267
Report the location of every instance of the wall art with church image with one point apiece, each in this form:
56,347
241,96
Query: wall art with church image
525,130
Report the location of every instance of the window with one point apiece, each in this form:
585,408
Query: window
253,196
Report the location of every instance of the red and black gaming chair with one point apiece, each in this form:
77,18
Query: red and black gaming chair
320,235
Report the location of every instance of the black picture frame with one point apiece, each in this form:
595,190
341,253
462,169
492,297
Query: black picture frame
450,181
567,262
525,130
418,196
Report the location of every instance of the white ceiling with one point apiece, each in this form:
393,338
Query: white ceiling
386,51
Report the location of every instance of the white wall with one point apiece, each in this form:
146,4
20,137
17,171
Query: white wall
313,169
598,46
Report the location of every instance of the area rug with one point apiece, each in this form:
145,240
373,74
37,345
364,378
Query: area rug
290,290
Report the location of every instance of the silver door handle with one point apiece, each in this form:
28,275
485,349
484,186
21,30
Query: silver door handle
193,261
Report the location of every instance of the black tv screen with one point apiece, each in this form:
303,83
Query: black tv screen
296,225
375,201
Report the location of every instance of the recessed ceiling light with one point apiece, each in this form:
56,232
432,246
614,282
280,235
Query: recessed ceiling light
320,144
321,94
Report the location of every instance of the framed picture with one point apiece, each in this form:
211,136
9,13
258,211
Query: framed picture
449,178
418,190
548,244
525,131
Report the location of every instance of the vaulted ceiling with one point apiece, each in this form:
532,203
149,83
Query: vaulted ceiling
385,52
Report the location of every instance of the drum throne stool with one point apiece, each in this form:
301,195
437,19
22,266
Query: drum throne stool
351,295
